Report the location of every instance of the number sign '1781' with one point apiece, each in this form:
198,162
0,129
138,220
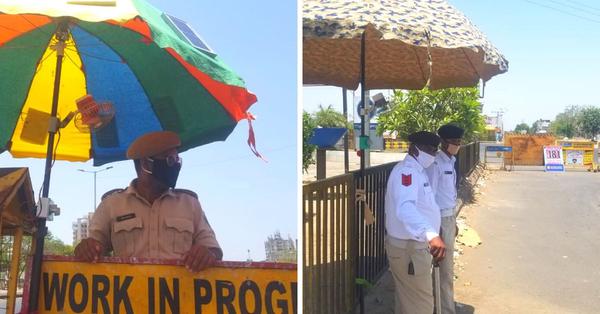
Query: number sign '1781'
553,159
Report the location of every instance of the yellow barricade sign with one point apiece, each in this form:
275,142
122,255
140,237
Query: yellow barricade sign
578,153
152,286
393,144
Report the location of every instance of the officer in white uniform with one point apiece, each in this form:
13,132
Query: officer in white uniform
442,176
412,221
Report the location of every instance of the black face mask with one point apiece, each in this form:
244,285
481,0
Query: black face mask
164,173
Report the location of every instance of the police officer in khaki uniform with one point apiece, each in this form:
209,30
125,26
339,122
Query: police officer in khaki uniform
442,176
412,222
150,218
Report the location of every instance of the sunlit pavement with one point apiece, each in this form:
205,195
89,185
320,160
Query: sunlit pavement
540,247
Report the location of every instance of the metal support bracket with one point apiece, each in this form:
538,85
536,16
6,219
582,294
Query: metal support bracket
53,124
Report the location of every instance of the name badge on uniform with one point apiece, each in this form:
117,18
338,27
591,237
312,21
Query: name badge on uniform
448,172
126,217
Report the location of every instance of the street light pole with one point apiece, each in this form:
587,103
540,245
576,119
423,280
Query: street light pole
95,172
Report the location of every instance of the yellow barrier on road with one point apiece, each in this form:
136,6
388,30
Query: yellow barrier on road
156,286
578,154
392,144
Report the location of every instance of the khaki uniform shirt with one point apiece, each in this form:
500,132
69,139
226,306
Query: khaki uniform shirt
129,225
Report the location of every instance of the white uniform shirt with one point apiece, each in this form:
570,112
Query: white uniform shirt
410,209
442,177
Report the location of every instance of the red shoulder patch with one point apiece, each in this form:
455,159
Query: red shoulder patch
406,179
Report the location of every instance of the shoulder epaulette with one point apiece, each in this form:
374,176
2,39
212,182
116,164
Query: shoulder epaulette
113,191
188,192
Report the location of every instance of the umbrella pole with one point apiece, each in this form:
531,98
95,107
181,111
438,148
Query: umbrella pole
361,184
363,120
41,230
345,103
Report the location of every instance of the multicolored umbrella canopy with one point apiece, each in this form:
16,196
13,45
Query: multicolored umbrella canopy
402,36
148,65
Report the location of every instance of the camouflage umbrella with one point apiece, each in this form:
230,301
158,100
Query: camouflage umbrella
406,44
402,39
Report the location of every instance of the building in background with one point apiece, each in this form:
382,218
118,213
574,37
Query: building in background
80,228
281,250
541,126
494,126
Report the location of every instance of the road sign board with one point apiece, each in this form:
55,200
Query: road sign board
499,148
553,159
152,286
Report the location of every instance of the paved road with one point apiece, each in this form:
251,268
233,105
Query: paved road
541,245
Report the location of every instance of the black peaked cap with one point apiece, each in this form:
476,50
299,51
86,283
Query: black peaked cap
424,138
450,131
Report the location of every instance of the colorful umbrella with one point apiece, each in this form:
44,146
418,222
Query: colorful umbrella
147,71
126,53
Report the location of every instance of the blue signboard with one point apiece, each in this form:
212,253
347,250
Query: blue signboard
327,137
499,148
555,168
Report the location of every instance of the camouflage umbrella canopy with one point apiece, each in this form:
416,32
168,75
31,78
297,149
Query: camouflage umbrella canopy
405,44
408,44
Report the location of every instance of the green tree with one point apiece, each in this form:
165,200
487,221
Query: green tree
535,127
428,110
55,246
589,120
522,127
52,246
330,118
308,125
6,246
567,123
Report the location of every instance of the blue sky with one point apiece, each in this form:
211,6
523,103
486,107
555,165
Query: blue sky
553,57
245,199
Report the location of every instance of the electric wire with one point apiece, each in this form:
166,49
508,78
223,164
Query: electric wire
583,5
574,7
563,11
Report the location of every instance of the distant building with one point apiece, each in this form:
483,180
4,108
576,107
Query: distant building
80,228
496,121
541,126
494,127
281,250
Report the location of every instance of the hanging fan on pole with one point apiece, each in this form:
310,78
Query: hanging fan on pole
91,115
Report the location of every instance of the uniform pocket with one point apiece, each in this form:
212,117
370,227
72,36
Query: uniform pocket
421,259
124,236
429,195
179,232
427,190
